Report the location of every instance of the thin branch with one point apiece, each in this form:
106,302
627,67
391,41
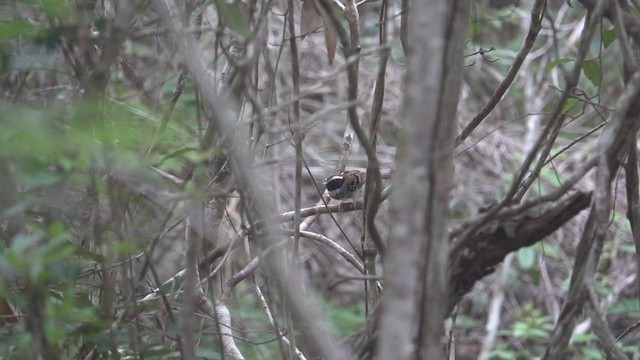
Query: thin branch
537,15
472,259
495,309
633,202
621,34
601,328
548,135
175,95
351,46
332,208
296,131
303,305
333,245
265,308
612,145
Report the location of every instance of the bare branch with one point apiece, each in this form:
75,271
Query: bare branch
304,308
537,15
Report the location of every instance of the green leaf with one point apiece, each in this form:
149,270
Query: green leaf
591,353
233,18
176,154
37,269
474,29
504,354
520,330
466,322
57,8
557,62
161,352
537,333
547,249
569,105
126,247
592,71
526,258
15,29
208,353
551,176
577,338
59,253
86,254
22,242
608,37
346,319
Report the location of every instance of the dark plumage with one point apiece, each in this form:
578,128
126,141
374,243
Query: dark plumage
346,185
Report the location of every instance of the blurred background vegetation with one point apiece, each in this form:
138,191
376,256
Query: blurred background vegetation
104,135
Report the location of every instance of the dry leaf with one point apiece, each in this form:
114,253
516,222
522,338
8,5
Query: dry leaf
330,40
310,20
330,35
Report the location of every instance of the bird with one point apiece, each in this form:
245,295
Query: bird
347,185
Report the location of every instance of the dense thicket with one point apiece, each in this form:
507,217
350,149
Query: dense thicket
162,167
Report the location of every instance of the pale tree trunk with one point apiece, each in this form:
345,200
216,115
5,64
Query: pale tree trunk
416,266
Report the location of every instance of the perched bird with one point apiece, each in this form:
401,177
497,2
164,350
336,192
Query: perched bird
347,185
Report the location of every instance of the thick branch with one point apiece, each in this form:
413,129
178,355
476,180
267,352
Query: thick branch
477,256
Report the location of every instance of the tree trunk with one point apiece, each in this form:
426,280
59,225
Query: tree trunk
416,267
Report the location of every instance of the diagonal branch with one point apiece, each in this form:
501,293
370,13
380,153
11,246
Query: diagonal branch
537,15
475,257
305,309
